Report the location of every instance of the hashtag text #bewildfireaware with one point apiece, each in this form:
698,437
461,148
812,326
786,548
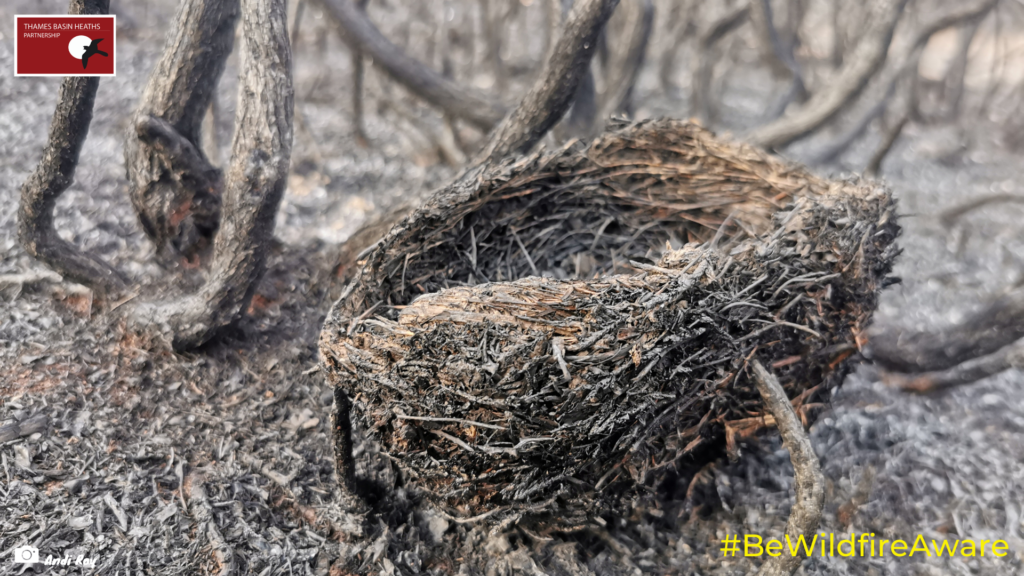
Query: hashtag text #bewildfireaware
866,544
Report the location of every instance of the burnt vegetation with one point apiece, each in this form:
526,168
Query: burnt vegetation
517,344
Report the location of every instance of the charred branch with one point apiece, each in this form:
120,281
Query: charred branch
889,139
865,61
583,115
969,372
682,22
492,26
705,71
206,525
628,63
785,53
838,34
553,93
26,427
344,464
984,332
906,66
359,32
952,215
584,112
955,78
174,188
55,173
810,484
836,149
261,152
358,89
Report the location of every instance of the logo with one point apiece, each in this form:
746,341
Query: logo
26,555
83,47
64,45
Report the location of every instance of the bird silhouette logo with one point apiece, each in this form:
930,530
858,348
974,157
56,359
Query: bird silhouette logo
84,47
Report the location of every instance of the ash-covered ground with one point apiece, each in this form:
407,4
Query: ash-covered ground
152,462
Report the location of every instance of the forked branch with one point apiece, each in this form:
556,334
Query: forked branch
261,152
173,186
904,67
857,71
55,173
805,515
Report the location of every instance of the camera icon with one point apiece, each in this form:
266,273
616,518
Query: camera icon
26,555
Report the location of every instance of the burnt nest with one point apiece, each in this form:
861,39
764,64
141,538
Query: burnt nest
554,336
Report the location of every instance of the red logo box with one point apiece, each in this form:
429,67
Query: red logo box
49,45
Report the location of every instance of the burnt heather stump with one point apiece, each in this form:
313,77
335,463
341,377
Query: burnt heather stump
548,338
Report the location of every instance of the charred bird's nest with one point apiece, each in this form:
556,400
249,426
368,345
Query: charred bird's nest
555,335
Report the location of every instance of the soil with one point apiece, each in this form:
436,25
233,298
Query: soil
153,462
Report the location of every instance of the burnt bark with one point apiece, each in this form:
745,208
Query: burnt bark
173,186
255,182
553,93
55,173
362,35
865,61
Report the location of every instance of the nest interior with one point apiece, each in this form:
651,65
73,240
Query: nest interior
555,335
